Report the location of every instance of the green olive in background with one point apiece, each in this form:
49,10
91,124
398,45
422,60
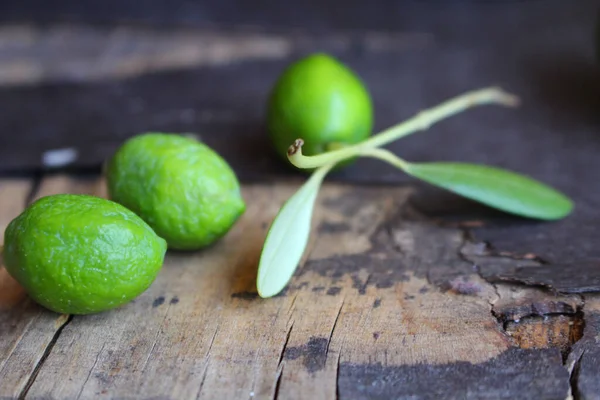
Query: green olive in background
321,101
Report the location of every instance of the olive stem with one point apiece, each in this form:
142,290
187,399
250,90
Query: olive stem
421,121
385,155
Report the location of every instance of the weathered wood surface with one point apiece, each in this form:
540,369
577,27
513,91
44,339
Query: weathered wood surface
386,305
407,292
26,331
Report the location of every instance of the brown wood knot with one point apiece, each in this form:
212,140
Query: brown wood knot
549,331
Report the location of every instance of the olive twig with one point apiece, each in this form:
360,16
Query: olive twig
385,155
422,121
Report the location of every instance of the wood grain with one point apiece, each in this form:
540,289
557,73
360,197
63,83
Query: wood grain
100,54
26,330
13,194
382,292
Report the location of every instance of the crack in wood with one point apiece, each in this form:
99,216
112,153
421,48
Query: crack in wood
337,376
488,250
44,356
574,378
158,332
91,371
532,271
582,362
278,382
207,364
292,304
212,341
285,344
204,374
335,321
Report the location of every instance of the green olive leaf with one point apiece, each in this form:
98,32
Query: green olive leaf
495,187
288,236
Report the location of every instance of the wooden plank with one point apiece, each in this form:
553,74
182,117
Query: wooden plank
32,329
166,341
310,14
25,330
383,297
109,74
13,195
179,339
124,51
515,374
584,360
577,277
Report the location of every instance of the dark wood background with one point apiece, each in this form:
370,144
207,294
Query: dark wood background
411,54
114,69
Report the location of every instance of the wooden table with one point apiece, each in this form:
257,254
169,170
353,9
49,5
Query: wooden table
405,292
389,304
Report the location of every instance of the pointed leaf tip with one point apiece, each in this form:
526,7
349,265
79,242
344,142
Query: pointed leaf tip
495,187
287,237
